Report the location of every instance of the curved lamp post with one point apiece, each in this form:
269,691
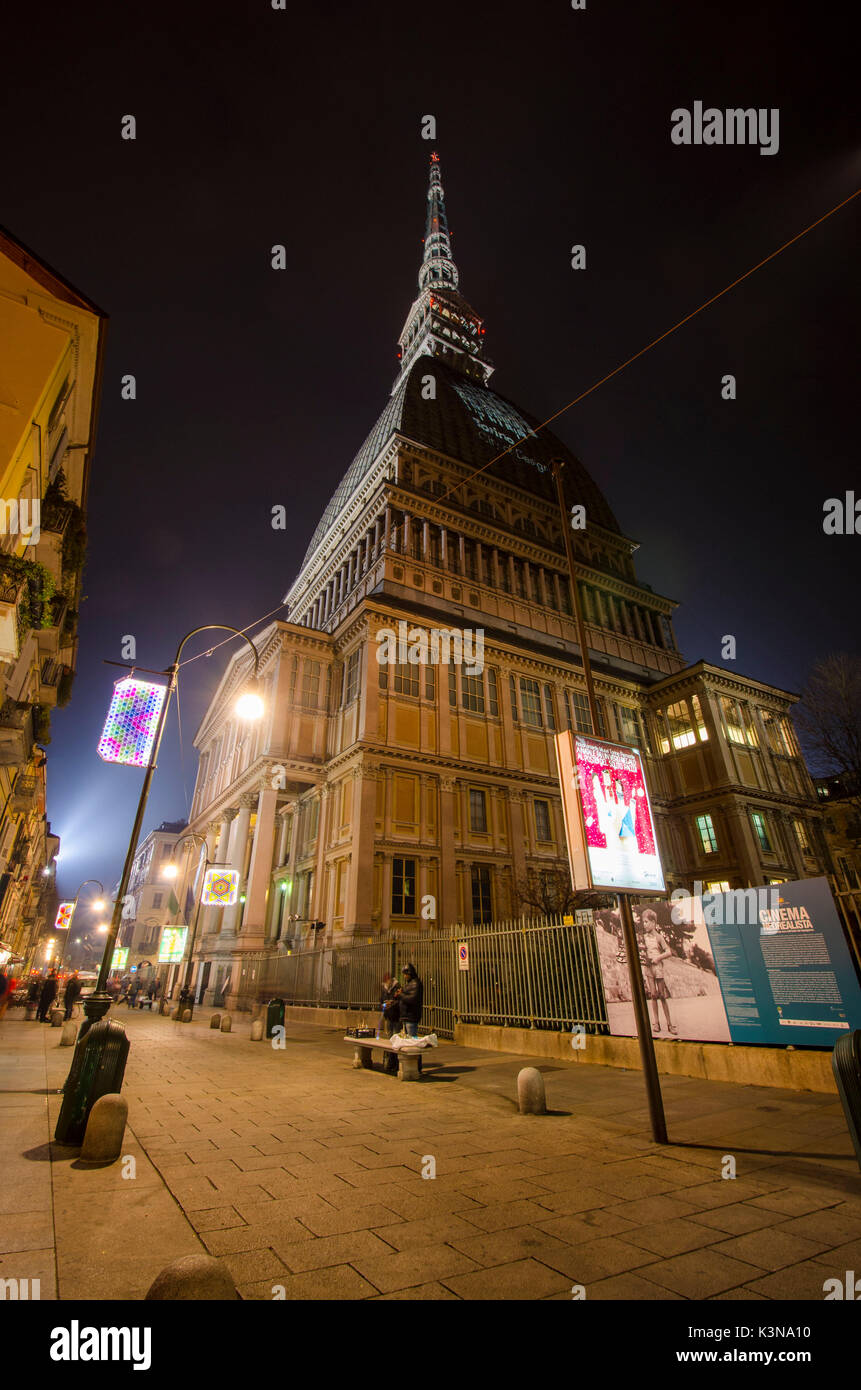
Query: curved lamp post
249,706
98,902
207,863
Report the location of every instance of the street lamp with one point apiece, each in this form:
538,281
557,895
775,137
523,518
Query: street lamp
170,871
98,904
98,1003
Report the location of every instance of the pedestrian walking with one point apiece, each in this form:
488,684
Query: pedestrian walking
47,997
72,994
5,991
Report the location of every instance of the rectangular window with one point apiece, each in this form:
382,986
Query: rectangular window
477,810
776,733
849,874
542,821
403,887
679,726
706,830
472,692
761,829
406,680
384,676
512,690
156,901
801,833
530,702
646,734
311,684
452,686
549,712
430,682
580,714
492,693
718,885
698,719
628,729
482,911
738,723
351,677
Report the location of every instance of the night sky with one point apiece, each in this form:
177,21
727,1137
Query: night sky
256,387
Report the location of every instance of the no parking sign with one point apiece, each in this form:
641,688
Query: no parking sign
463,956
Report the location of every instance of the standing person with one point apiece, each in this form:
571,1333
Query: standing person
47,997
131,998
410,1003
5,991
72,995
388,1006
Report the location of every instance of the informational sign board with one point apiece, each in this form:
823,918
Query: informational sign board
608,818
220,887
131,722
463,956
64,916
172,945
766,965
120,958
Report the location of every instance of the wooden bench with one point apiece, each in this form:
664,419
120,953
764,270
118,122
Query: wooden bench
408,1057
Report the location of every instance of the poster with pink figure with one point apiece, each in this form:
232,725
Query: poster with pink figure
607,812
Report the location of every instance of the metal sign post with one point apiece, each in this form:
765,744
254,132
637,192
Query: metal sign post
638,993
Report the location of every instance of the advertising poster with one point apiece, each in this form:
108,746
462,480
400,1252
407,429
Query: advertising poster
172,945
679,975
609,793
768,966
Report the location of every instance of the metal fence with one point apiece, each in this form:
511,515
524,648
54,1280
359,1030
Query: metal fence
529,974
849,906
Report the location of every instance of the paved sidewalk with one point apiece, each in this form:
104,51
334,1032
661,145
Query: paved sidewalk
303,1174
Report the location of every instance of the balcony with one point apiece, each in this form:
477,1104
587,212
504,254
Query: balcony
49,679
16,733
23,795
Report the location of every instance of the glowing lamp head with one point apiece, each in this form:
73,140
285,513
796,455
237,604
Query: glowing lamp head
250,703
99,905
103,927
170,871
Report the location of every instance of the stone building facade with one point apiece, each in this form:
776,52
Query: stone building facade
380,795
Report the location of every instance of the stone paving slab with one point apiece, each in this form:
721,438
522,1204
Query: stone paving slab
303,1175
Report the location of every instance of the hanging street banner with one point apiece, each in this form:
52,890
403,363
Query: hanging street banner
769,966
172,945
130,727
608,818
64,916
120,958
220,887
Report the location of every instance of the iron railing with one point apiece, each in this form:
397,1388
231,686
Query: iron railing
531,973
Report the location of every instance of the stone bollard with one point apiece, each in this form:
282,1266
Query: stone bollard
69,1033
215,1021
530,1092
103,1137
257,1030
56,1018
226,1024
186,1015
192,1278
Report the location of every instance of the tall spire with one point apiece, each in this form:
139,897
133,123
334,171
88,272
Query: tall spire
438,268
441,323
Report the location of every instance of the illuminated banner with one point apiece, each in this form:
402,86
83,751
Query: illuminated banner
220,887
130,727
64,916
121,958
172,945
608,819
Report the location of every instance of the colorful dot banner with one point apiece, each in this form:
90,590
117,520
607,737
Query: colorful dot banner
220,887
130,727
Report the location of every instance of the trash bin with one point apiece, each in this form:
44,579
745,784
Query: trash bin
274,1016
97,1070
846,1065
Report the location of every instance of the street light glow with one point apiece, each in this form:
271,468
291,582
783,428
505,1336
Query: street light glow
169,871
249,705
